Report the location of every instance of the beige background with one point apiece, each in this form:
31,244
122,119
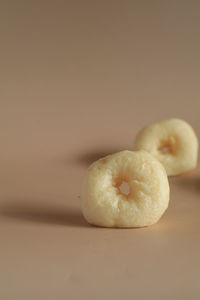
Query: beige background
78,79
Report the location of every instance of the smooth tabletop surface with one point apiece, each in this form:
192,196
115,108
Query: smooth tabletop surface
78,80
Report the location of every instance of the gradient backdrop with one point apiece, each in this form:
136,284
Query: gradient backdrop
78,79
